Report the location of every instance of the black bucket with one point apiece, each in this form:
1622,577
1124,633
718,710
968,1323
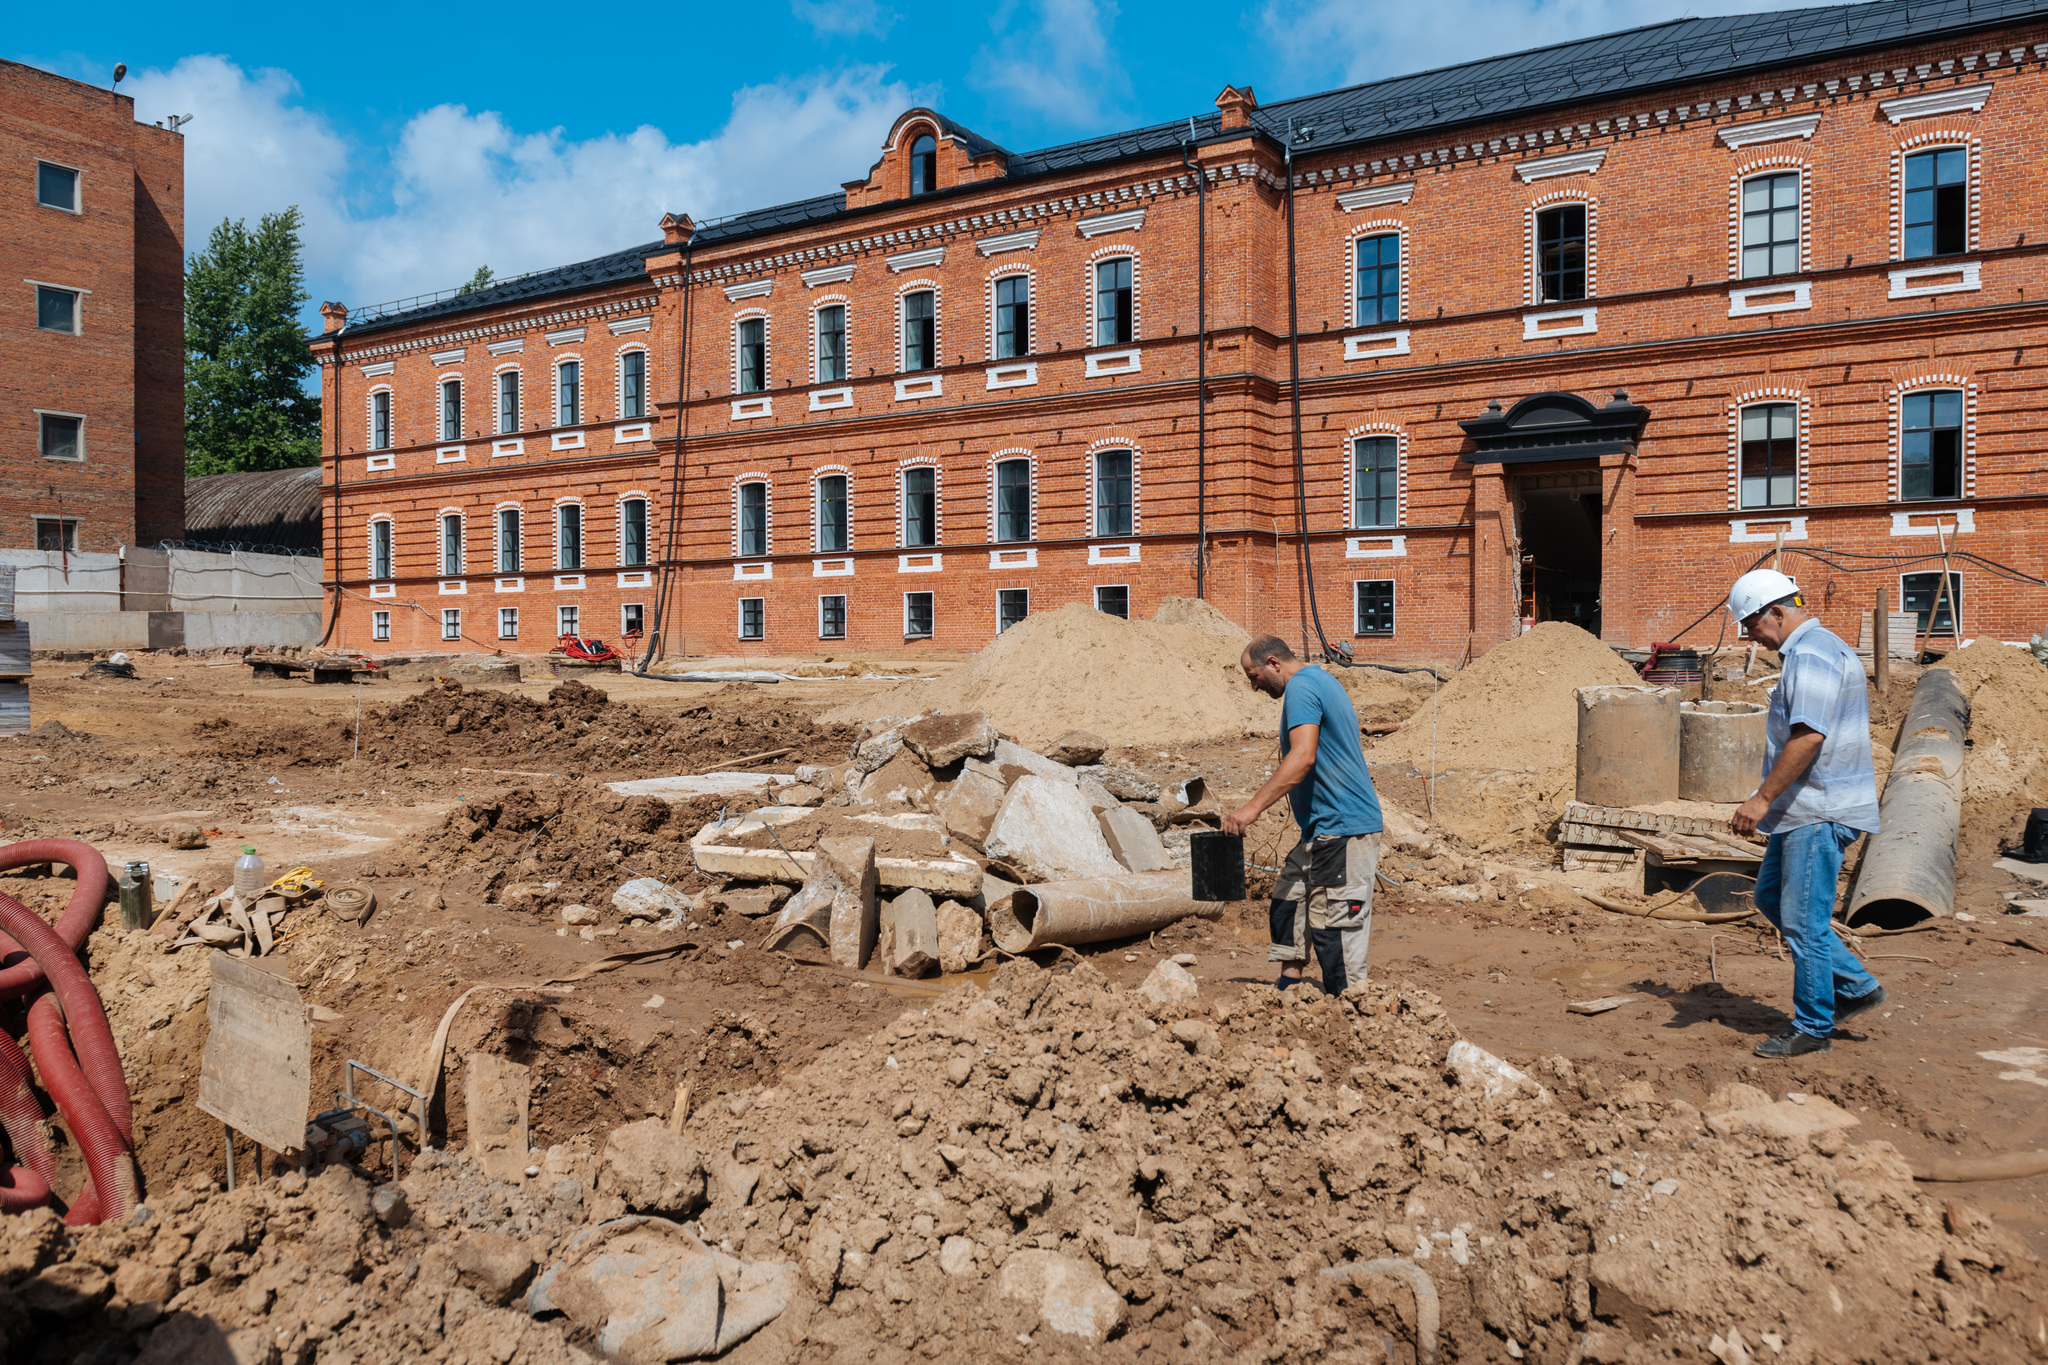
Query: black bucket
1218,864
2034,848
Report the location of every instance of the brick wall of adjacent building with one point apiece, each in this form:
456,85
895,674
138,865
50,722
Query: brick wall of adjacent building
123,371
1666,328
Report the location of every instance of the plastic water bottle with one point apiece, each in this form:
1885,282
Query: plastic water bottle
251,880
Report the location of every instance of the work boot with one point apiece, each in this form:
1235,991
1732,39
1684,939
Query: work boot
1847,1008
1286,981
1791,1043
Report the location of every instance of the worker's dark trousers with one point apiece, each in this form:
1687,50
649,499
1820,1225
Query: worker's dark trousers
1325,894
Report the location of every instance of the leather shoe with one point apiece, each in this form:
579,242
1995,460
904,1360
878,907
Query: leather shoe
1791,1043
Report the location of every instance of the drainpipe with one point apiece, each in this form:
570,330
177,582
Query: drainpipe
1201,365
1294,394
675,483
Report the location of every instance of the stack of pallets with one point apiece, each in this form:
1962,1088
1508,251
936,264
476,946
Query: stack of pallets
14,663
1613,836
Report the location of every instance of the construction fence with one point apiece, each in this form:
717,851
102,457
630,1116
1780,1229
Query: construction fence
166,597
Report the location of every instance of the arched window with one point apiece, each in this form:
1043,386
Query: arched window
451,543
1013,500
508,540
1113,489
1561,254
633,532
1770,225
924,164
1937,202
1378,279
380,548
753,519
1770,455
1931,444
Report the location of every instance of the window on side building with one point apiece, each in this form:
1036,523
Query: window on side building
1012,606
569,536
451,543
832,527
508,402
1374,606
924,164
568,393
380,420
57,187
1931,444
1375,481
57,309
1561,253
380,549
753,618
451,623
633,532
632,619
1917,592
380,626
1770,455
1013,317
1378,280
1770,225
1113,493
57,533
832,617
451,409
508,623
920,330
1113,599
1937,202
920,507
1013,500
752,339
1113,318
508,540
917,616
61,435
633,384
832,344
753,514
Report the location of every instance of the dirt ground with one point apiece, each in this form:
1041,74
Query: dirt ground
476,813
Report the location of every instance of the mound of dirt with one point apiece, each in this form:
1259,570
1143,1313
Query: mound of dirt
2005,773
1202,615
1516,707
1132,682
1382,698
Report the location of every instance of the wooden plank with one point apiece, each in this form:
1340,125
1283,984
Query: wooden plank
256,1074
1663,848
7,572
14,660
1598,836
1577,858
1620,817
14,716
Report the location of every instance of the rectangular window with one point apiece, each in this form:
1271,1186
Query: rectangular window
917,616
1013,500
1561,253
1378,280
632,618
920,330
920,507
1770,455
57,309
451,543
753,618
57,187
62,436
1937,202
753,355
1013,316
1114,599
508,623
567,624
451,409
832,344
633,384
1112,492
568,393
380,420
832,617
451,623
569,536
1770,225
1012,606
508,540
380,549
1113,301
1375,481
57,533
832,537
1916,594
380,625
1931,444
633,532
1375,609
508,402
753,519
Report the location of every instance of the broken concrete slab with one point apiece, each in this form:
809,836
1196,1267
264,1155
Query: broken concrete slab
854,921
805,920
1133,841
1125,784
945,739
652,1169
1046,828
901,781
1012,761
1070,1294
701,784
651,1292
753,901
914,940
495,1095
1077,747
959,937
953,875
1489,1075
968,806
646,898
1097,796
877,746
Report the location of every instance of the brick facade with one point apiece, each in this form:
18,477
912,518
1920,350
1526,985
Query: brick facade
119,248
1645,534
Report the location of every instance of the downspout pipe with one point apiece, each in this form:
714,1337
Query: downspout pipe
1308,563
675,483
1201,363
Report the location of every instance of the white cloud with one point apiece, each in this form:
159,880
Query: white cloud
460,189
1342,42
1059,66
846,18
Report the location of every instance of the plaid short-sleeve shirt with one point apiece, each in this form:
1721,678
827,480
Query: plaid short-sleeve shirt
1822,687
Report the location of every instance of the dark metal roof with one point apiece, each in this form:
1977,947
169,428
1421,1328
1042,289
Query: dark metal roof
272,508
1554,426
1635,61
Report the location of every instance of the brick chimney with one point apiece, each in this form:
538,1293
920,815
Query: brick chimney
677,231
336,315
1236,106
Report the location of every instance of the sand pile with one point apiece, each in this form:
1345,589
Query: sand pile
1132,682
1517,707
1202,615
2005,771
1382,698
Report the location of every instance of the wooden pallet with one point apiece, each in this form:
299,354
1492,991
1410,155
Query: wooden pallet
1608,858
1681,849
1621,817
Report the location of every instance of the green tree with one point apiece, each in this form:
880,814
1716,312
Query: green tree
477,282
246,362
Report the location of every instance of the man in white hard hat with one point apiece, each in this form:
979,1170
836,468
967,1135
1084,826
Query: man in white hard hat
1819,795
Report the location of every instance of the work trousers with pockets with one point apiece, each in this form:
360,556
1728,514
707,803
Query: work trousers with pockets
1795,888
1325,894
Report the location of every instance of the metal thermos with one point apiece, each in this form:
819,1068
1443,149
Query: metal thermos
137,909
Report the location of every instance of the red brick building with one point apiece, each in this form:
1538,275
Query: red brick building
1576,333
92,318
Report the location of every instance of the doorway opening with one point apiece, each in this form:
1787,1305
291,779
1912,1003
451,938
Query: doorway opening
1557,520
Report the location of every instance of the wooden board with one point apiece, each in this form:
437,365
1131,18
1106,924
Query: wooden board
1620,817
256,1075
1595,836
14,717
14,660
7,573
1577,858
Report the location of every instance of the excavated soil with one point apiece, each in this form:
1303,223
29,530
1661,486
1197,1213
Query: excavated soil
2005,773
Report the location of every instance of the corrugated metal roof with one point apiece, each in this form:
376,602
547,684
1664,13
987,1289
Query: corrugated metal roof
1636,61
270,507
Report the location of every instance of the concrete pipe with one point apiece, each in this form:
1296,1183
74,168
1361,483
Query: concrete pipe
1628,745
1909,870
1720,749
1091,909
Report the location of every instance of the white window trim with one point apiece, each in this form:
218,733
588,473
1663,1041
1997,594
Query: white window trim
761,405
619,384
77,208
1005,272
1534,283
504,634
823,302
1570,163
370,418
933,633
583,531
904,291
1375,196
461,541
1025,239
1573,322
498,400
825,400
451,623
1802,437
568,611
739,618
506,347
1955,276
1739,135
1962,99
1765,529
78,297
1378,227
1095,596
1373,345
1929,141
845,615
1350,457
1128,220
1376,547
498,538
825,471
625,325
1358,631
1096,258
555,368
1789,296
625,607
41,413
441,383
1770,165
828,274
903,468
1030,460
619,527
1961,521
1137,487
378,370
834,567
767,512
380,626
440,359
752,289
370,547
915,260
767,356
1895,474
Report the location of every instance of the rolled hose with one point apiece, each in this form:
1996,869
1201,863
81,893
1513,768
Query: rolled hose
18,974
21,1116
2004,1166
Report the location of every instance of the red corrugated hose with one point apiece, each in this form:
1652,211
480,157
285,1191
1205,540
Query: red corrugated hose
41,965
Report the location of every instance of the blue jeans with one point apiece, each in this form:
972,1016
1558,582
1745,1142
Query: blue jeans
1795,888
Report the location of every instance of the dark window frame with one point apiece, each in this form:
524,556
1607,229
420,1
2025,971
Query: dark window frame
451,623
831,363
831,620
380,420
1116,302
1008,598
66,537
568,393
752,521
915,628
380,626
503,614
920,330
1932,445
569,537
1105,593
1375,617
1777,457
571,615
632,385
834,516
924,164
1386,493
920,507
509,556
55,431
1564,255
77,177
451,545
1916,594
633,533
1013,501
632,618
1934,218
75,298
1113,499
451,411
753,618
750,343
1780,254
1385,295
508,402
383,549
1013,316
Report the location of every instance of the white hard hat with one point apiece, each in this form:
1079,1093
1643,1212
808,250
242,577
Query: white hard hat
1756,590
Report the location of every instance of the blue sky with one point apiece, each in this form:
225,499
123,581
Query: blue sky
423,142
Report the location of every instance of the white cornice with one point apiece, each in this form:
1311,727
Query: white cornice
911,260
1372,196
565,336
829,274
1571,163
1130,220
752,289
625,325
453,357
1770,130
372,371
1008,241
1964,99
507,347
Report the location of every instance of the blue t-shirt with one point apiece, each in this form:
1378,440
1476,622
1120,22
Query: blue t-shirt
1337,796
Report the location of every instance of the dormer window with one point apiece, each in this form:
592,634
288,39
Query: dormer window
924,164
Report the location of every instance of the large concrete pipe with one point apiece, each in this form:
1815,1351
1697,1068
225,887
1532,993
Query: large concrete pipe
1628,745
1720,749
1092,909
1909,871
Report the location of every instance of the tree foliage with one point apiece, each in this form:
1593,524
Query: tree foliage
246,362
477,282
